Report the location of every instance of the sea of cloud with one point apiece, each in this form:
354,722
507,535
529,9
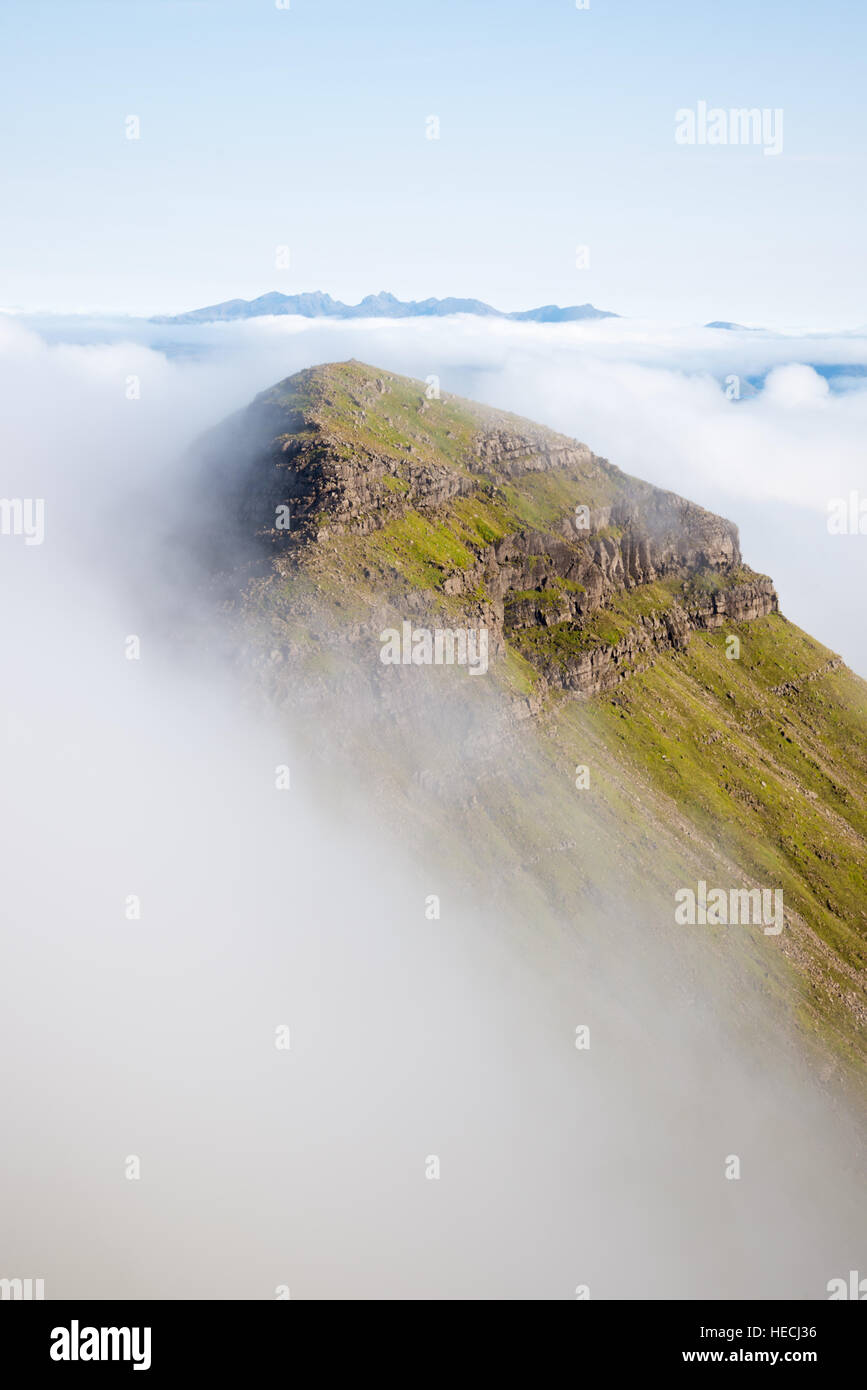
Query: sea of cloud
152,1036
767,428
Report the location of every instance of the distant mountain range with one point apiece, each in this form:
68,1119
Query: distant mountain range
375,306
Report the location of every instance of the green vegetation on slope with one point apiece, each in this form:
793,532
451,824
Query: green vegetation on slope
365,410
768,753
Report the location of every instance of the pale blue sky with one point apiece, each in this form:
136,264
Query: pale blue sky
306,127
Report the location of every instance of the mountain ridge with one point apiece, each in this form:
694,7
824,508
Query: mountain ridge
316,304
725,745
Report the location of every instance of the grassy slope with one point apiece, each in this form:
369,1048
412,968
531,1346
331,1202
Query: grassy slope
722,776
781,776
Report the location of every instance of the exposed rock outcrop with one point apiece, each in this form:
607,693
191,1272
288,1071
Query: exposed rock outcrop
345,451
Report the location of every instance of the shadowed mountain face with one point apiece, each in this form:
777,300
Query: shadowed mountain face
375,306
624,636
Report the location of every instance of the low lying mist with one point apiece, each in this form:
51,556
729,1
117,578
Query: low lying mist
266,1026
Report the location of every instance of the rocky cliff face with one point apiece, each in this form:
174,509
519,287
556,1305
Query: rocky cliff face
557,581
294,446
501,523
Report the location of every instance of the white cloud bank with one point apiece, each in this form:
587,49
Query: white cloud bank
650,397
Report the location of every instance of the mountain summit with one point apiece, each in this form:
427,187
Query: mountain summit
544,542
374,306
